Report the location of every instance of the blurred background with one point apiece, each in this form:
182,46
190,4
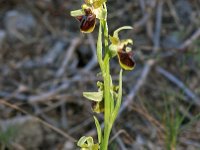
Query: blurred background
46,64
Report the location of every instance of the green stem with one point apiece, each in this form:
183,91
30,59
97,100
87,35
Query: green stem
107,94
99,48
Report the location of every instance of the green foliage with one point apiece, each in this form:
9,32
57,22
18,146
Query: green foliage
173,121
8,135
99,132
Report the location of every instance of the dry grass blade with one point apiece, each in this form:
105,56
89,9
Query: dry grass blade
4,102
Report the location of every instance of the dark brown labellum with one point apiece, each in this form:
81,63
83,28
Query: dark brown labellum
87,21
126,60
98,107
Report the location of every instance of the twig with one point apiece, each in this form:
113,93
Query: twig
180,84
142,5
39,113
146,114
189,41
93,61
48,25
121,144
156,39
53,53
40,120
160,128
190,142
47,95
81,126
74,44
146,15
142,21
63,113
138,85
17,120
173,13
149,63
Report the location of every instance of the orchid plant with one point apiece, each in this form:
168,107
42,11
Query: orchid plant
107,99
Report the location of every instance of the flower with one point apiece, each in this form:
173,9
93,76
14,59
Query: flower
87,21
96,98
120,48
87,143
126,58
91,10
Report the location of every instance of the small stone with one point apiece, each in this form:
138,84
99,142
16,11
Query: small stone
171,40
2,37
68,146
19,24
184,11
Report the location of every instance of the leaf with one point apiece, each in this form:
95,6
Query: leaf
111,95
94,96
118,103
98,126
101,13
99,47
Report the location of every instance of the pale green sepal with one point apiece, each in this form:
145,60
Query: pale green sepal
94,96
121,28
100,13
98,126
111,95
82,141
94,1
85,6
76,13
87,143
95,147
97,3
127,41
114,40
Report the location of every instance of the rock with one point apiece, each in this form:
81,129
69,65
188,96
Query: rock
26,131
171,40
19,24
30,136
2,37
68,145
184,11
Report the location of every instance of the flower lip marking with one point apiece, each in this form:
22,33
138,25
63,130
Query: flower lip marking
125,58
87,21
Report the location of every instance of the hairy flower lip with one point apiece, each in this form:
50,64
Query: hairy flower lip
126,58
87,21
91,10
